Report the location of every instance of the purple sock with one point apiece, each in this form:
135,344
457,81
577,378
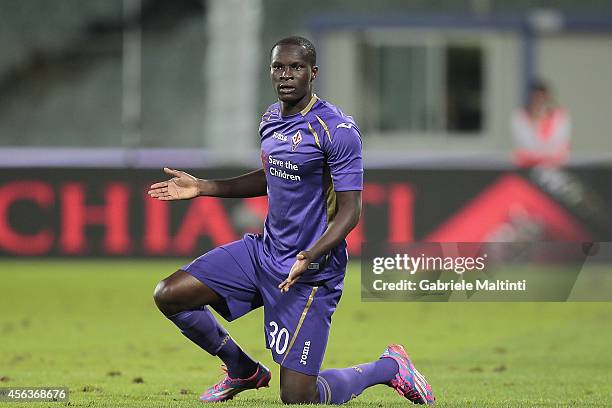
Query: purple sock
239,364
201,327
337,386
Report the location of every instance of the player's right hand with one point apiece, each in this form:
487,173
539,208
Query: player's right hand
182,186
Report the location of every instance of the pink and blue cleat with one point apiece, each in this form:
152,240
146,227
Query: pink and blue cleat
408,382
228,387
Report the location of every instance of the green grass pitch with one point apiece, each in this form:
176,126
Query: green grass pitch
92,326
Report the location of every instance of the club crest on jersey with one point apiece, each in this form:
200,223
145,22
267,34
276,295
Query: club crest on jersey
295,140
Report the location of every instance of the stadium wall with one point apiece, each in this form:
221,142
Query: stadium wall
516,49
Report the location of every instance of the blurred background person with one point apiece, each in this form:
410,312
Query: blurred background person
541,130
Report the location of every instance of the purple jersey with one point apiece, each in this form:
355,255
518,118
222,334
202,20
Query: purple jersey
307,157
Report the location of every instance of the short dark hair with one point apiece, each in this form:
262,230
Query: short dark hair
538,85
309,48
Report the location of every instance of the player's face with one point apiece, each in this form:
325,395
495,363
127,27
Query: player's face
291,74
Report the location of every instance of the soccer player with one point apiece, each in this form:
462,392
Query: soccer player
312,174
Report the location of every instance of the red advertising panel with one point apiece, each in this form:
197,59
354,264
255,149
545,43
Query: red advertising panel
106,212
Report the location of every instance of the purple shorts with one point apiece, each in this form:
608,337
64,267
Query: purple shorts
296,323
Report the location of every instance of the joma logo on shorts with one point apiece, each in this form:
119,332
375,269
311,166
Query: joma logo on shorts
305,352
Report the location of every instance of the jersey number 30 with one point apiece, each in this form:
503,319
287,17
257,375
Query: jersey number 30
280,338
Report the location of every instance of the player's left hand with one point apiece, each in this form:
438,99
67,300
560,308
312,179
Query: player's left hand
299,267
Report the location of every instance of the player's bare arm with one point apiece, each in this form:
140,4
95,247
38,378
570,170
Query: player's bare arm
184,186
349,210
